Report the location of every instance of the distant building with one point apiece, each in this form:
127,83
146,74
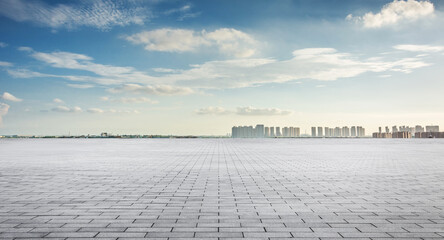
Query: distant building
260,131
278,132
286,132
313,131
353,131
320,134
432,128
360,131
267,132
345,131
402,135
337,132
297,132
429,135
394,129
419,129
387,130
272,132
382,135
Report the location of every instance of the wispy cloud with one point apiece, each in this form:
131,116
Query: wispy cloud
213,111
5,64
101,14
323,64
251,111
129,100
245,111
3,45
183,12
394,13
65,109
9,97
419,48
57,100
4,108
25,73
81,86
153,90
228,41
95,110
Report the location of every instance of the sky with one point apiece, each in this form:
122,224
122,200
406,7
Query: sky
201,67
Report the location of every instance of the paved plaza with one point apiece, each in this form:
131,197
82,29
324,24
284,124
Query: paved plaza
222,188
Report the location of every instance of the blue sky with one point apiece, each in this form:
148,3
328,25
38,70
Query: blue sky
200,67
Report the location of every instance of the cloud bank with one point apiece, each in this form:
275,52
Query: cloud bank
101,14
322,64
244,111
419,48
394,13
228,41
9,97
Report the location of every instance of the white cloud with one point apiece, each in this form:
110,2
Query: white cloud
5,64
101,14
130,100
250,111
57,100
3,45
419,48
25,49
95,110
9,97
154,90
25,73
229,41
4,108
183,12
323,64
395,13
232,42
245,111
81,86
66,109
213,111
169,40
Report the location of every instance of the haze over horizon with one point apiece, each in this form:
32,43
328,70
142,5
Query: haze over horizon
201,67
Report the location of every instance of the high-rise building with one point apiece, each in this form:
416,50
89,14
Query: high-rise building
419,129
297,132
278,132
260,131
360,131
353,131
320,134
267,132
345,131
432,128
387,130
292,132
272,132
313,131
337,132
394,129
380,129
285,132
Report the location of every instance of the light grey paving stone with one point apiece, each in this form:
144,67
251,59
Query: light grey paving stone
221,189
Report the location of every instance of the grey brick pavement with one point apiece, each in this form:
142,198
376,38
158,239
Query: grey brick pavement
221,188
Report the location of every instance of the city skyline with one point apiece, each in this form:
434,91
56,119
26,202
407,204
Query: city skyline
185,68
